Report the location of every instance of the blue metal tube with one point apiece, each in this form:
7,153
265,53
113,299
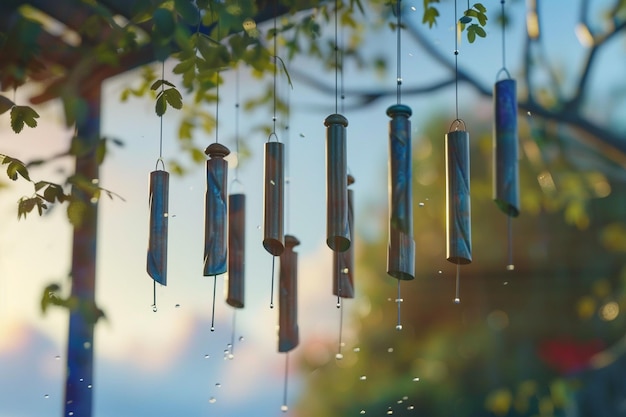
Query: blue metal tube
288,335
236,250
216,211
157,242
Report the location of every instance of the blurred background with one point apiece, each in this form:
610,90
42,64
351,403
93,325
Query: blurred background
546,339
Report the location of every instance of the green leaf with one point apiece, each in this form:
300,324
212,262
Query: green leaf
21,115
76,212
50,296
15,167
188,11
101,151
279,59
173,98
26,204
480,7
161,105
5,104
158,83
430,16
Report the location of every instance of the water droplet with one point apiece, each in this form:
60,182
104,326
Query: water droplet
357,349
46,396
258,227
95,181
89,386
87,345
71,413
505,283
363,377
272,305
207,356
420,204
362,412
229,345
154,308
400,401
272,182
212,328
510,267
398,327
218,385
405,398
338,305
389,299
416,379
399,80
81,380
241,338
440,272
177,305
411,407
166,215
345,271
389,411
284,408
528,113
389,350
339,356
212,400
413,8
231,356
457,300
93,200
57,357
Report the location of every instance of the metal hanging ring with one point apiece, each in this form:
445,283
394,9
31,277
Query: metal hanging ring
156,167
505,71
269,139
456,123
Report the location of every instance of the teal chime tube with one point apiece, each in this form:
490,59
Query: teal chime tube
157,244
458,205
401,248
288,335
216,211
505,148
273,200
337,229
236,250
343,262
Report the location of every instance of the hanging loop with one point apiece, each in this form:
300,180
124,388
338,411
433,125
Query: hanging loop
505,71
456,123
274,135
156,167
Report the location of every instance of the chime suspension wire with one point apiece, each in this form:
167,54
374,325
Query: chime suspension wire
457,298
399,303
456,62
509,222
503,37
339,354
336,56
272,285
399,50
232,334
237,124
284,407
213,308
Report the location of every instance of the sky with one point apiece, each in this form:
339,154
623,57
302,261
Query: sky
168,362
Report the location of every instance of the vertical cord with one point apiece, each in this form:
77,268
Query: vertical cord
456,63
398,50
237,124
232,334
272,286
336,58
457,299
399,302
217,93
154,306
213,308
161,117
284,407
287,166
275,66
503,37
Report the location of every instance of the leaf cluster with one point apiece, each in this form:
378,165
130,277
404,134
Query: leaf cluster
20,115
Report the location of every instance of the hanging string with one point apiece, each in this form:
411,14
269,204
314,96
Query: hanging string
272,286
336,57
398,49
232,334
275,66
287,165
213,308
217,92
339,354
457,299
503,37
456,62
399,302
236,179
284,407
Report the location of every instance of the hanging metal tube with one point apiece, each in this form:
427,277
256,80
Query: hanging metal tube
337,230
401,248
458,206
236,249
505,148
273,201
157,242
216,211
343,262
288,336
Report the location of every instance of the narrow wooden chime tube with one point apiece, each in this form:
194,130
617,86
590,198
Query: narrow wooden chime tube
273,202
343,262
236,249
458,226
288,335
401,248
157,243
337,228
505,148
216,211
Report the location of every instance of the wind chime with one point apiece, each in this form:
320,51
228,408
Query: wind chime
458,205
401,246
216,208
236,239
158,200
505,147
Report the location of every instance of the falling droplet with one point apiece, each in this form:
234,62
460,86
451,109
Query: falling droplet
510,267
440,272
241,338
416,379
154,308
284,408
166,215
400,401
389,350
398,327
339,356
420,204
258,227
457,300
212,328
405,398
71,413
207,356
363,377
46,396
81,380
218,385
413,8
528,113
231,356
177,305
411,407
356,350
272,182
212,400
89,386
57,357
389,411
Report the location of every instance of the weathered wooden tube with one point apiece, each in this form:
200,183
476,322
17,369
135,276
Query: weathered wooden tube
216,211
273,201
458,205
337,229
505,148
288,334
343,262
236,250
401,246
157,242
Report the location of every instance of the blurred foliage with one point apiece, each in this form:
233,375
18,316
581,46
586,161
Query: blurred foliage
527,342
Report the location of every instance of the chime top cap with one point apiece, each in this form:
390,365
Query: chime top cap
291,241
217,149
336,119
350,179
398,110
